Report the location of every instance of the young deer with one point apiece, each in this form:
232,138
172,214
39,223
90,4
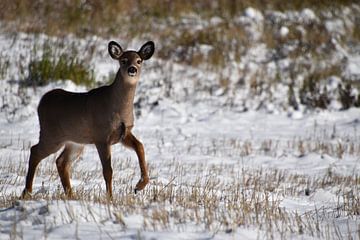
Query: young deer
102,116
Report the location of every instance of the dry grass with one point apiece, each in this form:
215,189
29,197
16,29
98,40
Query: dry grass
218,197
209,35
89,16
161,20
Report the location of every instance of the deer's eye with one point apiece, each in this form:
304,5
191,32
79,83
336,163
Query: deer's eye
123,61
139,61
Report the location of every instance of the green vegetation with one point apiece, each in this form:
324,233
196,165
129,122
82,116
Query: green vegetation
53,66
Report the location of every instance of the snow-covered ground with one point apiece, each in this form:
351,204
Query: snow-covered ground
305,171
219,169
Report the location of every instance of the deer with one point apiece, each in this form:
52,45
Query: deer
102,116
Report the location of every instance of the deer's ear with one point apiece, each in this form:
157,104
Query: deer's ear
115,50
147,50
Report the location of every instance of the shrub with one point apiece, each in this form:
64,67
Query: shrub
292,98
52,67
4,65
311,93
347,97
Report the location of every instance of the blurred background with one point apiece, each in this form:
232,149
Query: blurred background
277,56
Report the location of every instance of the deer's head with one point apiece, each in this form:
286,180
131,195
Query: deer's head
131,61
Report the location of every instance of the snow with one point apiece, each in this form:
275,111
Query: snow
284,31
184,132
295,172
308,15
252,20
335,26
352,70
254,14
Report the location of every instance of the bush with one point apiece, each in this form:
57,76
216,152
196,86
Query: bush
312,94
4,66
66,66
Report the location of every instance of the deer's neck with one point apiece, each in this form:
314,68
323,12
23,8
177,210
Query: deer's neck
122,95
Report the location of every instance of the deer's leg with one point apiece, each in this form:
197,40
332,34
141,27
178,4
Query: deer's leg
105,157
131,142
37,153
63,163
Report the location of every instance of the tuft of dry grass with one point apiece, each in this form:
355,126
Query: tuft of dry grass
215,197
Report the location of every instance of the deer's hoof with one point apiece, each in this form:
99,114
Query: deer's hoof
109,197
69,195
141,184
25,195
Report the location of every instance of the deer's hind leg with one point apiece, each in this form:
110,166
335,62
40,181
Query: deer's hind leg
70,153
37,153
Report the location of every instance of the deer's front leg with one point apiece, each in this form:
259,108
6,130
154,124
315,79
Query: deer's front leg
131,142
105,157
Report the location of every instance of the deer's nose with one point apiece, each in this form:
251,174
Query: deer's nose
132,71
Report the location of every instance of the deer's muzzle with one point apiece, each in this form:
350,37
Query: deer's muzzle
132,71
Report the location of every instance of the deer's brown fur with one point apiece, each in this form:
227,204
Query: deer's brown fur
102,116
